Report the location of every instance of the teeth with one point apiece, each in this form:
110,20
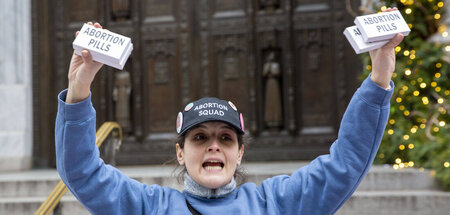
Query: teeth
213,168
214,161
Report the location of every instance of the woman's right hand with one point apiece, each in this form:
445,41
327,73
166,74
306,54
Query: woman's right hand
82,71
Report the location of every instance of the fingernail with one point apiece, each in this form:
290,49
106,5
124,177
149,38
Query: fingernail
84,53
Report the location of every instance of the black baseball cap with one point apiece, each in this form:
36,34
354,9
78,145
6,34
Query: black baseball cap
206,110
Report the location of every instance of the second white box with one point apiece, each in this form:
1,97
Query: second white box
354,37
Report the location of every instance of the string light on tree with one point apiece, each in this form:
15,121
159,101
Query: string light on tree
408,72
437,16
420,111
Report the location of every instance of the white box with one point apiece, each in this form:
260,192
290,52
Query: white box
105,46
353,35
382,26
118,64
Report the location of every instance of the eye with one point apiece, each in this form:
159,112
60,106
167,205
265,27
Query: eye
226,137
199,136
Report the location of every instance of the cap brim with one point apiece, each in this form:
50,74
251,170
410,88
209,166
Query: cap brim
188,127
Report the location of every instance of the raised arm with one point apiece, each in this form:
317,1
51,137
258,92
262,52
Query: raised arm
82,71
328,181
383,60
101,188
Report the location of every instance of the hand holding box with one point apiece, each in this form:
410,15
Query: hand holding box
375,30
105,46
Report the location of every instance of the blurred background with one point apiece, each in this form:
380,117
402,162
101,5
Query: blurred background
285,64
184,50
418,133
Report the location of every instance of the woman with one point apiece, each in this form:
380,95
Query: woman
210,147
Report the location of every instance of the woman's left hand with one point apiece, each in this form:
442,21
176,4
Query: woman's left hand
383,60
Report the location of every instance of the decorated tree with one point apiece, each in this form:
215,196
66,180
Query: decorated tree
418,130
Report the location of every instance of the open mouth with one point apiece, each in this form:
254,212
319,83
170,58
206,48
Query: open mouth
213,165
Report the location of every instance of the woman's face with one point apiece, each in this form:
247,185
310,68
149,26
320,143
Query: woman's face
211,154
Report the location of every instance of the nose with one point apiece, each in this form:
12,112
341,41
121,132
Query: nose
214,147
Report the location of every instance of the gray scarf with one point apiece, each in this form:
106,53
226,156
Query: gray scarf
192,187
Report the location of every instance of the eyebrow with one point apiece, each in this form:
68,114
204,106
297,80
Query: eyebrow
227,126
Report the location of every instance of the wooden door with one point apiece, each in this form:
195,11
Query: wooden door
284,63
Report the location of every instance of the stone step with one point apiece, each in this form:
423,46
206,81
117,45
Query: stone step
361,203
380,177
41,182
68,205
418,202
387,178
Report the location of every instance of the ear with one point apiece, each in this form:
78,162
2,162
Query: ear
180,154
240,155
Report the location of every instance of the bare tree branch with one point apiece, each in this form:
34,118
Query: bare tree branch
349,8
445,104
365,9
432,121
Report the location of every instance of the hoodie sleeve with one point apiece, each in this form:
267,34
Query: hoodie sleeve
101,188
324,185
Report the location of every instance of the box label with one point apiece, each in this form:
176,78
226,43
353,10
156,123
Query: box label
102,40
382,26
383,22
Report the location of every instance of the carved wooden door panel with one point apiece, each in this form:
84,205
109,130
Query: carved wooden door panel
302,86
225,53
165,51
282,62
188,53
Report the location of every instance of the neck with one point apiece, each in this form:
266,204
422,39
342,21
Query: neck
192,187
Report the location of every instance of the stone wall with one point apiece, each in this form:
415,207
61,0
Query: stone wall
15,85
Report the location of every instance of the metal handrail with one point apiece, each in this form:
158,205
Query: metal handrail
60,190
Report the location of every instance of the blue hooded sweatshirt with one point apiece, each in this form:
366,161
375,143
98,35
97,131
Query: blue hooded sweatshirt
321,187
